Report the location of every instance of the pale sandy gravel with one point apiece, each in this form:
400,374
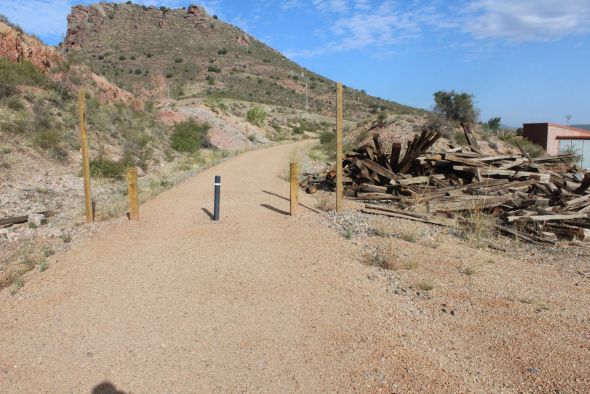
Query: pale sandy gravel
262,302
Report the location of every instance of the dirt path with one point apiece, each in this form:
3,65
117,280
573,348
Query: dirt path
260,302
174,303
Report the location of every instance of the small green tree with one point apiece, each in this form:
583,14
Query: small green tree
494,123
457,107
256,116
189,136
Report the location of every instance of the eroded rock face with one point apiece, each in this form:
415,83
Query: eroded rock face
18,47
196,10
83,19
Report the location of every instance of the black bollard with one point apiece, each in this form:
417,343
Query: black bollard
217,198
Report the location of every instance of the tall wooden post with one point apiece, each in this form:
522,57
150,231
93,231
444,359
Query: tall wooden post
132,193
339,126
294,189
85,157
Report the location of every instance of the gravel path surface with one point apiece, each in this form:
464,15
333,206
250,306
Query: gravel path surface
262,302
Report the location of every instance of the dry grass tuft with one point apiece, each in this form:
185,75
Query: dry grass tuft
467,270
410,234
425,285
478,229
326,203
382,257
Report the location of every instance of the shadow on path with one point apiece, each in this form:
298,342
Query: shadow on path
286,199
208,213
277,210
106,388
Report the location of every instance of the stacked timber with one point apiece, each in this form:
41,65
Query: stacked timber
538,200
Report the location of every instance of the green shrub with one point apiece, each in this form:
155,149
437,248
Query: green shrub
47,139
457,107
460,138
328,138
222,51
178,60
532,149
15,104
256,116
494,123
13,74
176,91
189,136
122,57
214,69
105,168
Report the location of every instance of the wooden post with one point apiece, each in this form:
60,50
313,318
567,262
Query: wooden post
294,189
132,193
85,157
339,126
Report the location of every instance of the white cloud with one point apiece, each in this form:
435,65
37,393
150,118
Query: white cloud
338,6
379,24
40,17
525,20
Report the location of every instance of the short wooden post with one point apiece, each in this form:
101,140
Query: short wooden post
132,193
85,156
294,189
339,126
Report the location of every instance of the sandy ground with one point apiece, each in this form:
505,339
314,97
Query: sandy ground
262,302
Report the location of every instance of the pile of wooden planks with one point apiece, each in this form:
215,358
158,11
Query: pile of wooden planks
537,200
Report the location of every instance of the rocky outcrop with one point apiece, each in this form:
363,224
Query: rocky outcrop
243,39
82,19
197,11
199,17
19,47
110,92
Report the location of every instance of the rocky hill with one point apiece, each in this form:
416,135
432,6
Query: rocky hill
187,53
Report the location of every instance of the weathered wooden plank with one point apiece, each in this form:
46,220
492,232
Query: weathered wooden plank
9,221
408,217
377,196
384,172
508,173
585,184
462,160
480,202
369,187
471,140
523,236
438,220
546,218
396,149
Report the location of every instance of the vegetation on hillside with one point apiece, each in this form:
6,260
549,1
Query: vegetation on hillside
457,107
213,59
256,116
189,136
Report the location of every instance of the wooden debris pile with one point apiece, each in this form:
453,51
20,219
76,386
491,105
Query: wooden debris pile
537,200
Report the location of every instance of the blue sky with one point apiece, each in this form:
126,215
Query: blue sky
524,60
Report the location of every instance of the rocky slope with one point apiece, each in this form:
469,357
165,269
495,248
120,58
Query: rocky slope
186,52
17,47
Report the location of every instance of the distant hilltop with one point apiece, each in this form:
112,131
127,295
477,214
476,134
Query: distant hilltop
186,52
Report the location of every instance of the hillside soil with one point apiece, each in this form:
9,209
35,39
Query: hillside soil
264,302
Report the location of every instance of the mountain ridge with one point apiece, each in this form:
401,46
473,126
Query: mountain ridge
160,52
